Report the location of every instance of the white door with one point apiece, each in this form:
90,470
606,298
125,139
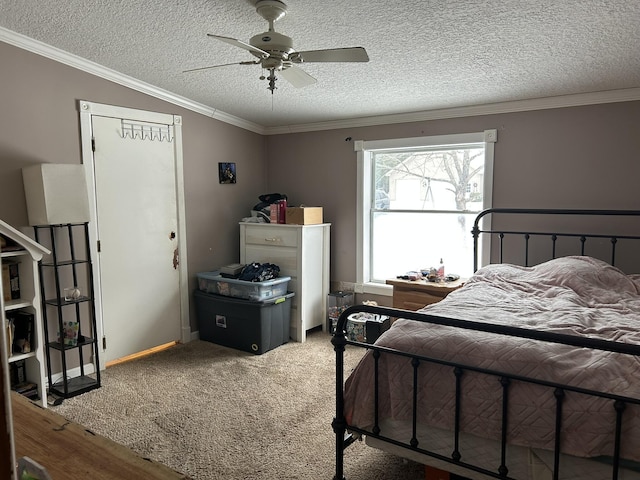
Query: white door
137,231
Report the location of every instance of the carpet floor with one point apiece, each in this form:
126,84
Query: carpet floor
212,412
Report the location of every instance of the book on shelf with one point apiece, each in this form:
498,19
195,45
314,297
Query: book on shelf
10,280
9,328
17,373
28,389
19,381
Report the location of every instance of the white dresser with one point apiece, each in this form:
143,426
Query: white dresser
302,253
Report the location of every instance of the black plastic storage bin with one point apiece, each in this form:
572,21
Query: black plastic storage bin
252,326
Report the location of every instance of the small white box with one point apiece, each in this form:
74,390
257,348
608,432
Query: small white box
56,193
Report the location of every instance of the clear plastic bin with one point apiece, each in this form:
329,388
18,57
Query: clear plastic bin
213,282
337,302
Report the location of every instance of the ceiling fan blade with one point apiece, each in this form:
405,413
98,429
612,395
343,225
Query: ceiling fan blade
353,54
238,43
297,77
221,65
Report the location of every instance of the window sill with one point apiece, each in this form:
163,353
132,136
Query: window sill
375,289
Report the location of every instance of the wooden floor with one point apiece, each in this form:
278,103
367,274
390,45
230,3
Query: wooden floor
69,451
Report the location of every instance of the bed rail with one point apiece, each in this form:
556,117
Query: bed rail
493,213
342,430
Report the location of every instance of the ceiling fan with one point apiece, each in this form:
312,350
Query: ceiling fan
275,53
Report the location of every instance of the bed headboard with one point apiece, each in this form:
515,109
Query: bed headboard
531,236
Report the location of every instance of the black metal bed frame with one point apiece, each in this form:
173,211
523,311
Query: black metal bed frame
345,433
553,236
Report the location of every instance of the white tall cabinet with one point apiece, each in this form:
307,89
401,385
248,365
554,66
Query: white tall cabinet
302,253
26,256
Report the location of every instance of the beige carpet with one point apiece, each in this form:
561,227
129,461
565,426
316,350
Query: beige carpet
212,412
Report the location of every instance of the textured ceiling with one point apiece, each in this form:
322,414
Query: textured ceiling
424,55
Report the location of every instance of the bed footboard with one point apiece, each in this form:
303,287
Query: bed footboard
344,431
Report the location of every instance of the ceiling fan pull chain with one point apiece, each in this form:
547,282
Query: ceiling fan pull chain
272,81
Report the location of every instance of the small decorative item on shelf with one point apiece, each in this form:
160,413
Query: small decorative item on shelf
71,293
69,335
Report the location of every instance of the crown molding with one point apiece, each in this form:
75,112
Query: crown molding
561,101
545,103
53,53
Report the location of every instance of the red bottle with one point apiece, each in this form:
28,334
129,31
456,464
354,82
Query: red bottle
282,211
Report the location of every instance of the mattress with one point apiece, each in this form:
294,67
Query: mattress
574,295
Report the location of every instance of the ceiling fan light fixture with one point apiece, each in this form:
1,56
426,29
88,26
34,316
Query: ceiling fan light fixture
272,63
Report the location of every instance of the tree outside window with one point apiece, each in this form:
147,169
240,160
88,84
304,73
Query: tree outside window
423,200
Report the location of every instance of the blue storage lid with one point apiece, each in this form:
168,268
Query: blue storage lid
216,277
243,301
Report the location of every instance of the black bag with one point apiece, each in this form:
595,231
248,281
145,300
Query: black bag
268,199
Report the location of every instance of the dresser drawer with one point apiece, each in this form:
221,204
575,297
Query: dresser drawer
415,294
275,236
413,300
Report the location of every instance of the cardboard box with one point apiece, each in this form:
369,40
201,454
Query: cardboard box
304,215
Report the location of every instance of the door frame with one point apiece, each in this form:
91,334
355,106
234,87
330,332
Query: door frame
87,110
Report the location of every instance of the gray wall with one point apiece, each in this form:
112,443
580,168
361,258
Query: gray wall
579,157
569,157
40,124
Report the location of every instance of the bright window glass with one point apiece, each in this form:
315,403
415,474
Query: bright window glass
419,199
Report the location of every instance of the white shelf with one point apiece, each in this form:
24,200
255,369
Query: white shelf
27,257
13,253
21,356
16,304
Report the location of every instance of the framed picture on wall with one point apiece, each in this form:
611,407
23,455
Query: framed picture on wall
227,172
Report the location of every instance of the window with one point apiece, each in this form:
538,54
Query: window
417,200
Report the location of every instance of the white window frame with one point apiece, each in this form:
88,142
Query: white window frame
364,194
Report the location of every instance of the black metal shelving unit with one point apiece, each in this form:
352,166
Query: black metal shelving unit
68,265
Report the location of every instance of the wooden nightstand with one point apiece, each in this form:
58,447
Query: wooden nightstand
415,294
